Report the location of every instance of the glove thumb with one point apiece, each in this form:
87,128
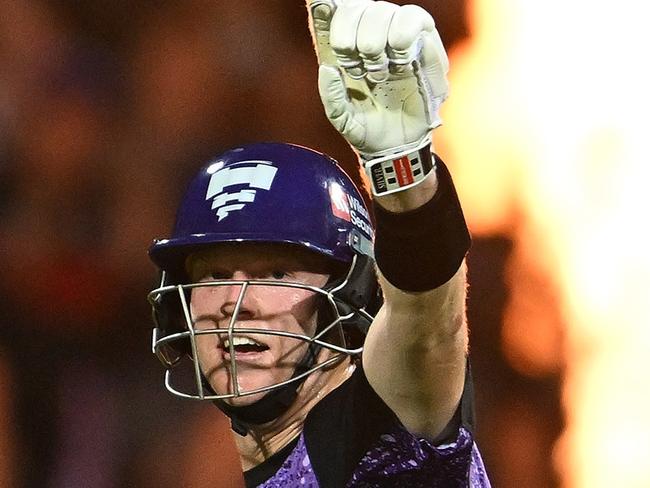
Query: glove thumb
338,108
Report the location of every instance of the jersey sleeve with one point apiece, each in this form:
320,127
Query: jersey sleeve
354,439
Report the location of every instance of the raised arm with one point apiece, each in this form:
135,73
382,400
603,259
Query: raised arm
382,78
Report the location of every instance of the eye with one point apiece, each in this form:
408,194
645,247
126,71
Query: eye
278,275
217,275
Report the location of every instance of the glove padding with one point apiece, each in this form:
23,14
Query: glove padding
382,74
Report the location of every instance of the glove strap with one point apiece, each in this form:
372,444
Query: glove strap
399,172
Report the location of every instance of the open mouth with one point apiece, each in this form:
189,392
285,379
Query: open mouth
244,345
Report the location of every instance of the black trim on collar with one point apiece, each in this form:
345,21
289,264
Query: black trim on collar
262,472
342,427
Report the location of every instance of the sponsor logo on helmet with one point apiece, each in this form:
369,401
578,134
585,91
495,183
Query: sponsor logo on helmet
233,187
340,206
349,208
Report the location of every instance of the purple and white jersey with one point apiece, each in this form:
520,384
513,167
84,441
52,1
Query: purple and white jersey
295,471
399,459
352,439
402,459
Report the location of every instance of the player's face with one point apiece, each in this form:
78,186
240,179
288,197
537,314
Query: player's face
261,359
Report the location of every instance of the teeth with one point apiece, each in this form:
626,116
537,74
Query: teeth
240,341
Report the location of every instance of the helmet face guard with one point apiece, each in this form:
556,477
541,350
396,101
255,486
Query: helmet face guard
180,355
276,194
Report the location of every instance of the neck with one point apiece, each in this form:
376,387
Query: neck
264,440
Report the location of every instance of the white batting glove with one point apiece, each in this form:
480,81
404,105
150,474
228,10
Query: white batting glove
382,79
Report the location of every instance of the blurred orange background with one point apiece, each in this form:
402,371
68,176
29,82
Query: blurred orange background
107,108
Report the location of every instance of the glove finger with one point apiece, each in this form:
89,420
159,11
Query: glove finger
408,24
338,108
372,39
414,43
430,70
320,18
343,36
435,64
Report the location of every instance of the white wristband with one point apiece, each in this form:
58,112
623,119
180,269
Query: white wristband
397,172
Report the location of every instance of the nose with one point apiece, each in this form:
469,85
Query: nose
233,293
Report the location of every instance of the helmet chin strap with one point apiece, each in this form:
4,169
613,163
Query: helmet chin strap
273,404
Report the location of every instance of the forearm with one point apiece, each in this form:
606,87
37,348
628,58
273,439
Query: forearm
415,353
430,317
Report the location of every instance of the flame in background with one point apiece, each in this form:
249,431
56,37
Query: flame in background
547,129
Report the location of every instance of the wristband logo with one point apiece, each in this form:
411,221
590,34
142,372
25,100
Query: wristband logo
394,174
247,176
350,209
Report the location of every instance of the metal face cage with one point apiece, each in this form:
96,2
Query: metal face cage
174,338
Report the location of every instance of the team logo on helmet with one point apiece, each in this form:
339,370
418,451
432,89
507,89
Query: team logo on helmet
232,187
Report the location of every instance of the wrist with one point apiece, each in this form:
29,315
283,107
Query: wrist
411,198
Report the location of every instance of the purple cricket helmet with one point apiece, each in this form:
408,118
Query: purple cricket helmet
269,192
